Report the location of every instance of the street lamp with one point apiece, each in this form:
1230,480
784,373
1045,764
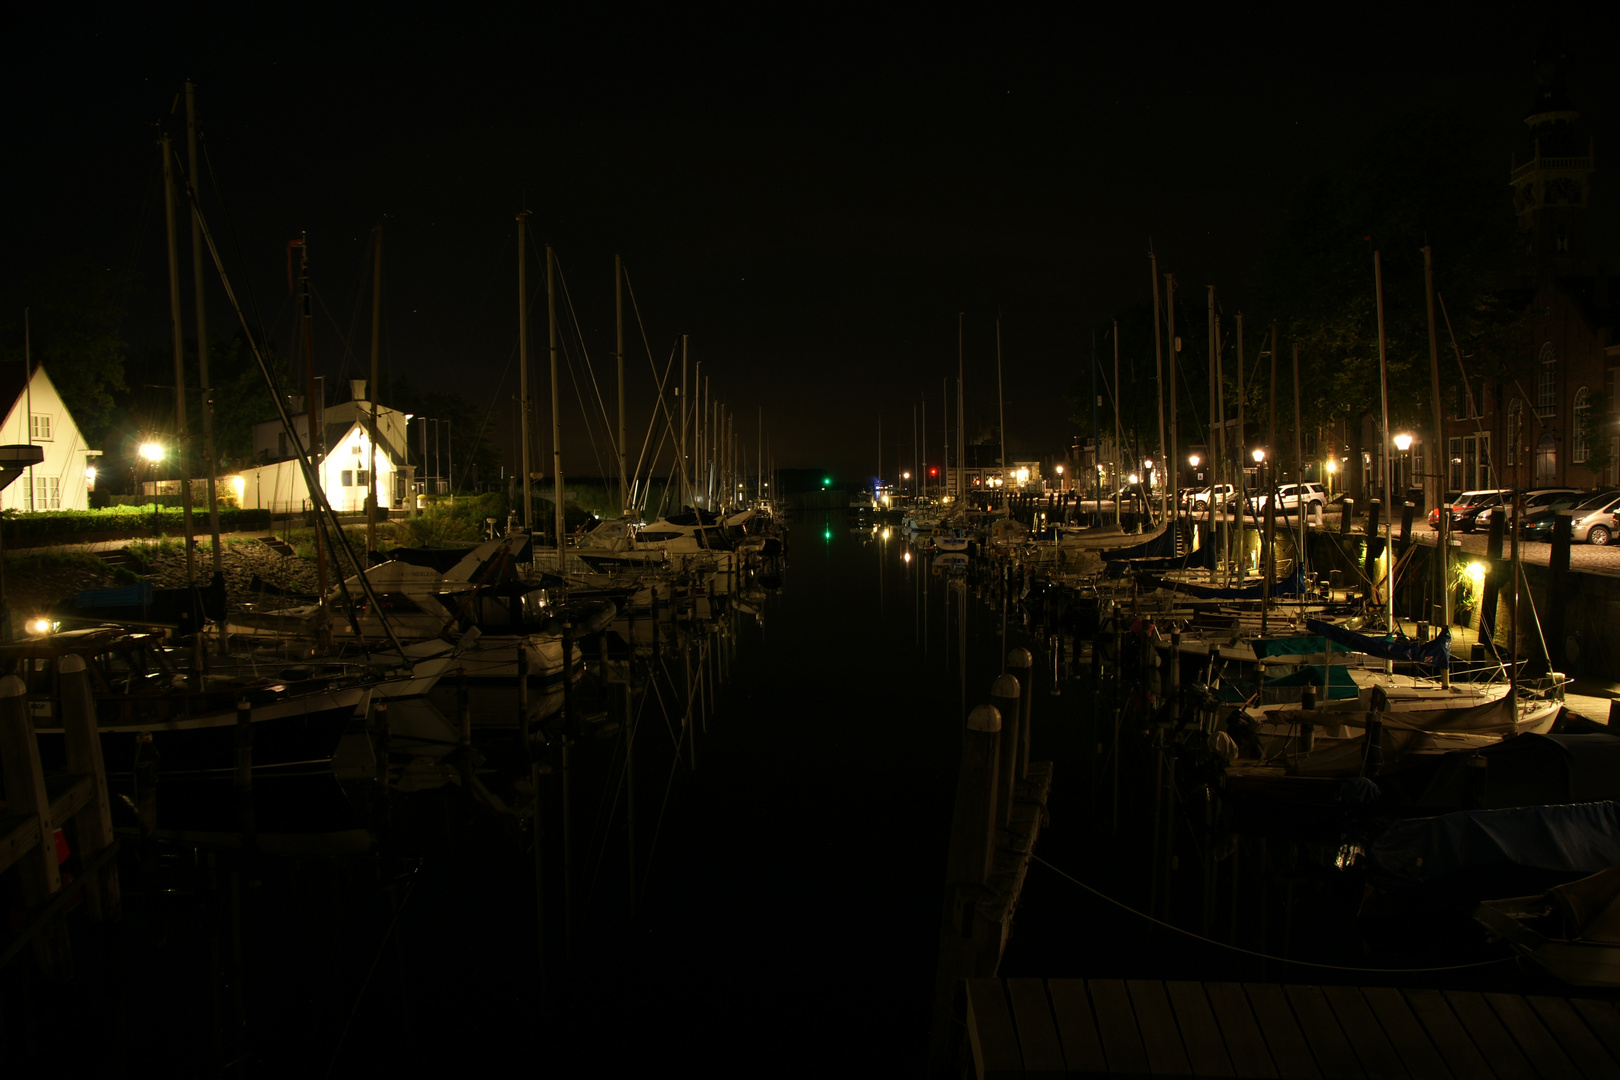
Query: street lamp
152,453
1403,443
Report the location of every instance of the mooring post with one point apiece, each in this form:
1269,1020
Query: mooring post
627,694
92,826
380,743
569,727
1022,664
963,937
686,714
976,817
1175,669
1004,697
1347,510
39,875
464,714
1374,546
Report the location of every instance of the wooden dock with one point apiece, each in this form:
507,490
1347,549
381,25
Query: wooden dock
1145,1027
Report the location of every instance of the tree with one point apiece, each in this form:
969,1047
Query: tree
1427,178
76,311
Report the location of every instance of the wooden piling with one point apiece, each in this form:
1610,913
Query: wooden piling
1005,694
92,830
1022,664
31,844
977,817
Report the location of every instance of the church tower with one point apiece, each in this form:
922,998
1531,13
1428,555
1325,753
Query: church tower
1551,189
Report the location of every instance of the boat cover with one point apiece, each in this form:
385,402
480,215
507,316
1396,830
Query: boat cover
1535,769
1294,584
1580,838
1306,645
1160,546
136,595
1202,558
1436,653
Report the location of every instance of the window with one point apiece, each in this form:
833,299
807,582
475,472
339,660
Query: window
39,427
1579,451
1547,382
348,478
362,478
47,493
1515,431
1454,465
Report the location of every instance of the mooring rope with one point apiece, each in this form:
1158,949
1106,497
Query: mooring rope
1260,955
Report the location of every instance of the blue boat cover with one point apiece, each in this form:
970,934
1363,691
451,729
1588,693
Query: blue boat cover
1436,653
1578,838
136,595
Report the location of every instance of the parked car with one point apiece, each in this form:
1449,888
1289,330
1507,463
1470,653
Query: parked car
1592,521
1289,497
1225,495
1549,499
1466,507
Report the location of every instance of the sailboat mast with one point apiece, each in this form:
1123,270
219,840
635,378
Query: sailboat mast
1214,419
922,473
527,502
618,319
1001,422
1118,517
1158,370
961,443
1240,457
1383,454
1174,463
200,314
1299,476
177,331
680,458
1443,547
312,408
556,404
376,338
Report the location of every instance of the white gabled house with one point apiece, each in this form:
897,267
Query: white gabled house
278,484
36,414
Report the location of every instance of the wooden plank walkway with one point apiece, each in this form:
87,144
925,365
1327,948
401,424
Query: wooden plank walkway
1144,1027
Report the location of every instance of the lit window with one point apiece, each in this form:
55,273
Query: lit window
348,478
39,427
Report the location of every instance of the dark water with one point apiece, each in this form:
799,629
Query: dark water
788,909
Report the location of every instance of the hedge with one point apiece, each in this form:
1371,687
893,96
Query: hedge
66,525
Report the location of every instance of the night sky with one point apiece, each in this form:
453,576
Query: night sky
813,198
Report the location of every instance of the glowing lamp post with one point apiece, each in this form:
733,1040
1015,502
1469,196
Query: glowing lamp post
152,453
1403,443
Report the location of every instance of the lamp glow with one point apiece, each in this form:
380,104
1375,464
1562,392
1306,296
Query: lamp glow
1332,466
1193,460
152,451
1403,442
1259,456
1476,572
